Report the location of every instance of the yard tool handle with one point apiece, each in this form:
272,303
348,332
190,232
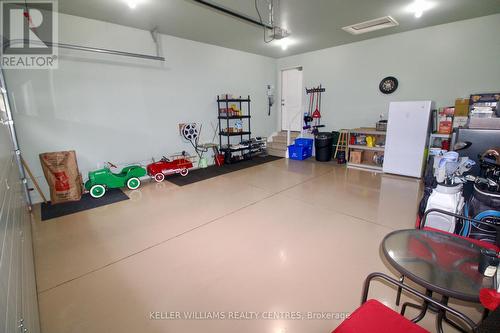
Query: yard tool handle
28,170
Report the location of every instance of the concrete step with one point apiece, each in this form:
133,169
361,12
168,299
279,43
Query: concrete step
296,133
281,137
277,145
274,152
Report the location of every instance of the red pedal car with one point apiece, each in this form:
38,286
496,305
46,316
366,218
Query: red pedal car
177,164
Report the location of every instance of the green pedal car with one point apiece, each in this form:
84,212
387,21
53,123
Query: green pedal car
100,180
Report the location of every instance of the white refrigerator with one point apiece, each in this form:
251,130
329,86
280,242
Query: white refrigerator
407,134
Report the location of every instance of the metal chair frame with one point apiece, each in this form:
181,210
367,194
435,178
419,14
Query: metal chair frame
442,307
425,306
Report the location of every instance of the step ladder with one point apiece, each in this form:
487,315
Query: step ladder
342,143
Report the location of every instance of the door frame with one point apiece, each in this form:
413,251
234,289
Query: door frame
282,70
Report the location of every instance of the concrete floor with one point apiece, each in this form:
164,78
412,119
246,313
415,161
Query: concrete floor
281,239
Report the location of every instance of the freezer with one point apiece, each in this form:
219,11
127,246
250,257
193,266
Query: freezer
407,135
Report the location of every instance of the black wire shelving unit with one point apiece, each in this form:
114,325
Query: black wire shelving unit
236,154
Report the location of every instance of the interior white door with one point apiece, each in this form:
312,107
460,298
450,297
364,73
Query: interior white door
407,132
291,99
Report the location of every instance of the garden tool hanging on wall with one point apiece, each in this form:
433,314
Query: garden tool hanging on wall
317,114
308,115
312,119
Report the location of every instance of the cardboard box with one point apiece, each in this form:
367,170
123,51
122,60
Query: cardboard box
460,122
445,127
462,107
445,119
356,156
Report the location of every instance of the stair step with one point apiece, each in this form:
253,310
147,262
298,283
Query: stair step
277,145
281,135
282,139
274,152
291,133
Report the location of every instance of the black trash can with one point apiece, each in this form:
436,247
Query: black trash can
323,143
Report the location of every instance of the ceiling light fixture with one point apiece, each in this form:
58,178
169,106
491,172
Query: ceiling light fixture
279,33
418,7
280,36
284,43
132,4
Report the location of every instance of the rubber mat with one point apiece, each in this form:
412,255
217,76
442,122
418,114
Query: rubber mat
86,202
214,171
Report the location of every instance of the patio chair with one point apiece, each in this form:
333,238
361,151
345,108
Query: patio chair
374,317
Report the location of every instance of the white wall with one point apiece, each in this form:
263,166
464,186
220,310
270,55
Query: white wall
438,63
125,110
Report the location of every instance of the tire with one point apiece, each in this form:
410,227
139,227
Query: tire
159,177
133,183
97,191
184,172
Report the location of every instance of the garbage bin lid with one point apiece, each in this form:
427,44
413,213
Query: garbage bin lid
324,135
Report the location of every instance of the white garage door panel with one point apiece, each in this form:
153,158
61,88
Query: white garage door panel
18,297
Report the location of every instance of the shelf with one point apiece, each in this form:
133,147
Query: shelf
253,147
234,100
439,135
234,133
237,149
224,115
365,147
234,117
364,166
368,131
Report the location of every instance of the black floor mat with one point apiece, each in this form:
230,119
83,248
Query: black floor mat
214,171
86,202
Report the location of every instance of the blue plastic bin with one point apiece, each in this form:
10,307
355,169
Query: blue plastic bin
298,152
307,144
301,149
304,142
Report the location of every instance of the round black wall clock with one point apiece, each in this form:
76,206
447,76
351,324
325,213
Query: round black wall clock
388,85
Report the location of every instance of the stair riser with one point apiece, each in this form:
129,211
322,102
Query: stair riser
277,145
279,153
291,133
281,139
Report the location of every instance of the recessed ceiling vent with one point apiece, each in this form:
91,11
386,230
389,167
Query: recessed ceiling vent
372,25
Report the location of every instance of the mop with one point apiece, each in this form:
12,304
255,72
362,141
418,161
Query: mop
317,114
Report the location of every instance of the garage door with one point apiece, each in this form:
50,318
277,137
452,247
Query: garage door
18,295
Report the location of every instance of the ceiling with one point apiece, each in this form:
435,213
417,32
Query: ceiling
314,24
